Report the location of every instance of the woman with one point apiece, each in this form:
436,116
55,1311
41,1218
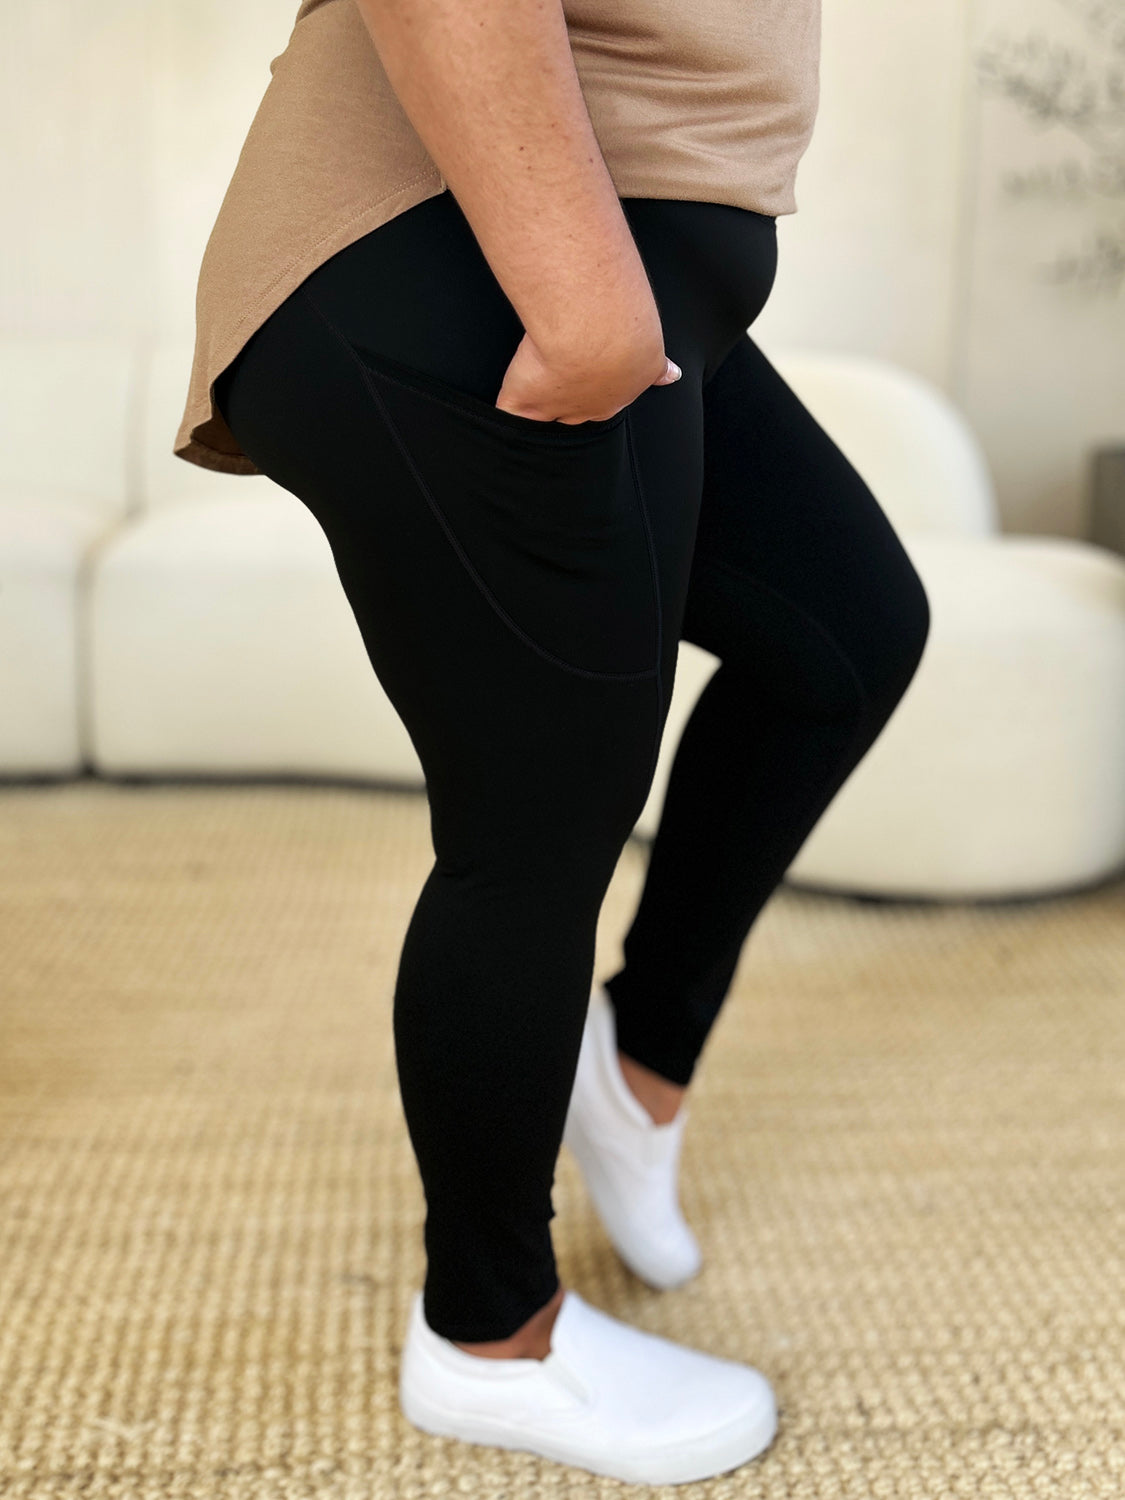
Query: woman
439,304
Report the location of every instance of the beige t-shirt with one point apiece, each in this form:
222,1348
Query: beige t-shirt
698,99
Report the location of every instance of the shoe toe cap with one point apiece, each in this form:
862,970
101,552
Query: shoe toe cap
723,1394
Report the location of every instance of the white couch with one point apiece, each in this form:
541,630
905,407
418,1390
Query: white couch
221,642
218,642
1001,772
65,481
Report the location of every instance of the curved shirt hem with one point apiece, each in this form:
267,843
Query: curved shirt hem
203,437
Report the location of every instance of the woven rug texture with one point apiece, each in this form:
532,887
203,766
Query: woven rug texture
905,1165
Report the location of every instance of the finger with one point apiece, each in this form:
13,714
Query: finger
671,374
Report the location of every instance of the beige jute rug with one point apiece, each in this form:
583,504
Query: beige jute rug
905,1165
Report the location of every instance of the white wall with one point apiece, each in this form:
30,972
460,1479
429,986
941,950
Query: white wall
75,215
1041,364
869,261
122,122
909,241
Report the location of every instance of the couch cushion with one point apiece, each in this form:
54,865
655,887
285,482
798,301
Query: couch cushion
1000,771
65,422
43,547
221,642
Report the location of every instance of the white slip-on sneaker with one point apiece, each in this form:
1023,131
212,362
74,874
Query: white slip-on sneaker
629,1163
609,1398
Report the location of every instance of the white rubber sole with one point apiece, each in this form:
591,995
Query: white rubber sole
559,1411
727,1449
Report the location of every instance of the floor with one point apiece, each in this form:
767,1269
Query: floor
905,1165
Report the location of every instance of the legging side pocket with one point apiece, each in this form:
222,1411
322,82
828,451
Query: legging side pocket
545,517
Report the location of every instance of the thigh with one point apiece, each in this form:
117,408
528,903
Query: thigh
499,569
519,584
797,570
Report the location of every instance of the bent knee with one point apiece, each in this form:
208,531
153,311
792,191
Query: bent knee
895,640
863,662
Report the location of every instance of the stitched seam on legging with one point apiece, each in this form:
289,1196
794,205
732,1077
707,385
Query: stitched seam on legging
702,560
858,728
545,440
865,702
450,535
638,492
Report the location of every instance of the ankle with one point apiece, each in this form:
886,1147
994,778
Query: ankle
660,1096
531,1341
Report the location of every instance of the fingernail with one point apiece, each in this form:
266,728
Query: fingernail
674,369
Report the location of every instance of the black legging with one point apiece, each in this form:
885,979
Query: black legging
522,588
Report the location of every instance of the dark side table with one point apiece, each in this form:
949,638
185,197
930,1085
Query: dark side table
1106,525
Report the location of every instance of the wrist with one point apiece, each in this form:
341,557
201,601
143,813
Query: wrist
609,332
595,300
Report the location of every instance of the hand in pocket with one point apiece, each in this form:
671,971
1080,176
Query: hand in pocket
553,389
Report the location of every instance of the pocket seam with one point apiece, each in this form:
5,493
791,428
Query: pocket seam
432,387
462,556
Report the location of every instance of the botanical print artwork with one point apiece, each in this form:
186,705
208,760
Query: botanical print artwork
1067,76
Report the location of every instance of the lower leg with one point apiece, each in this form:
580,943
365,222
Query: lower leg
488,1023
532,1341
660,1096
756,767
748,782
662,1099
489,1010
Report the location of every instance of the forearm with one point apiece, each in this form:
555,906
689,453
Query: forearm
491,89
